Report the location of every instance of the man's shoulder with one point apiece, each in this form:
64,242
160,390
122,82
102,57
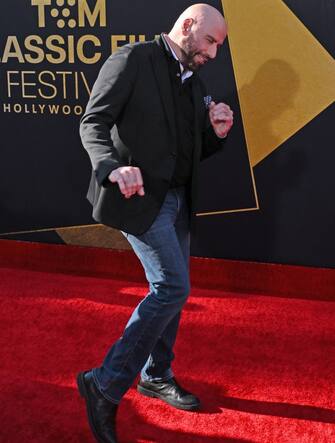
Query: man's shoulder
141,48
131,53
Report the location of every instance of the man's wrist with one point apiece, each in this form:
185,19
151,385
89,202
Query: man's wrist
224,135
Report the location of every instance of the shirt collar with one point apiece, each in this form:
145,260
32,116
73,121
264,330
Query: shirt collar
185,73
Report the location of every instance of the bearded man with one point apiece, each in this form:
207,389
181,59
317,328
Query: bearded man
147,125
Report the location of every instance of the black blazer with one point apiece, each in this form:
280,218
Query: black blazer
129,120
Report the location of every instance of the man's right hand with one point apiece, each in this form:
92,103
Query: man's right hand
129,179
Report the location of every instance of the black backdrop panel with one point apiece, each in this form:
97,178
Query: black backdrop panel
45,171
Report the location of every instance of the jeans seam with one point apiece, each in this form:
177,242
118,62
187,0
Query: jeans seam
133,349
106,396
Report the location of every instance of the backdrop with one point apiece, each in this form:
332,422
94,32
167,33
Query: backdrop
268,196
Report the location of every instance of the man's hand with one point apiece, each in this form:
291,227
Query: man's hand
221,117
129,179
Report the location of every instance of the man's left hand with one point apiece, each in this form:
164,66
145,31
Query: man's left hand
221,118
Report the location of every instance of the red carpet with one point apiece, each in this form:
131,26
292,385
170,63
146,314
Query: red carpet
263,366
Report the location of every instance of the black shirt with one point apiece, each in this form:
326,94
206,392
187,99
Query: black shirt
184,116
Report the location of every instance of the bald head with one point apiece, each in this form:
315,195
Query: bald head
197,34
202,13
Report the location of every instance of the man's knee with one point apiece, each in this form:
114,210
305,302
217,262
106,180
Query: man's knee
175,291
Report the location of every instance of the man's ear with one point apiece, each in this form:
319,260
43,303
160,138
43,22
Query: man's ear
187,25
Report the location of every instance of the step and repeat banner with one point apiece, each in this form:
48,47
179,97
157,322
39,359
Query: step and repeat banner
266,197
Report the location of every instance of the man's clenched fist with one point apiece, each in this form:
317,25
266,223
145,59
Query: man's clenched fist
221,117
129,179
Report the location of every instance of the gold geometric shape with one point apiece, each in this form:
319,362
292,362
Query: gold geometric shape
284,76
99,236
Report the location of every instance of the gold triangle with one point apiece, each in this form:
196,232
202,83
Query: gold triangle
100,236
284,76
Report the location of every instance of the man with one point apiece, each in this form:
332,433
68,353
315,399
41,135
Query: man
146,127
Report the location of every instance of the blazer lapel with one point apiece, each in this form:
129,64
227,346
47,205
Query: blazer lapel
161,71
199,115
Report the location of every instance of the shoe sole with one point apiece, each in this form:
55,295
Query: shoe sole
83,392
152,394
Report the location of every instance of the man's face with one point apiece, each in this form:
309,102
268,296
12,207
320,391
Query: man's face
201,44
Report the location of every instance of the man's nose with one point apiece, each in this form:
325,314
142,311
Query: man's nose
212,51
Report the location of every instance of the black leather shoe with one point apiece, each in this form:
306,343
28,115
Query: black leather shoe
101,412
170,392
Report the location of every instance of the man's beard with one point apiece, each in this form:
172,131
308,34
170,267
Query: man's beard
188,54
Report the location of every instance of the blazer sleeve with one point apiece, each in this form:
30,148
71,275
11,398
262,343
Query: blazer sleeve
211,143
109,95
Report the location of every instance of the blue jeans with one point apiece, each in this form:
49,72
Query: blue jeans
148,339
